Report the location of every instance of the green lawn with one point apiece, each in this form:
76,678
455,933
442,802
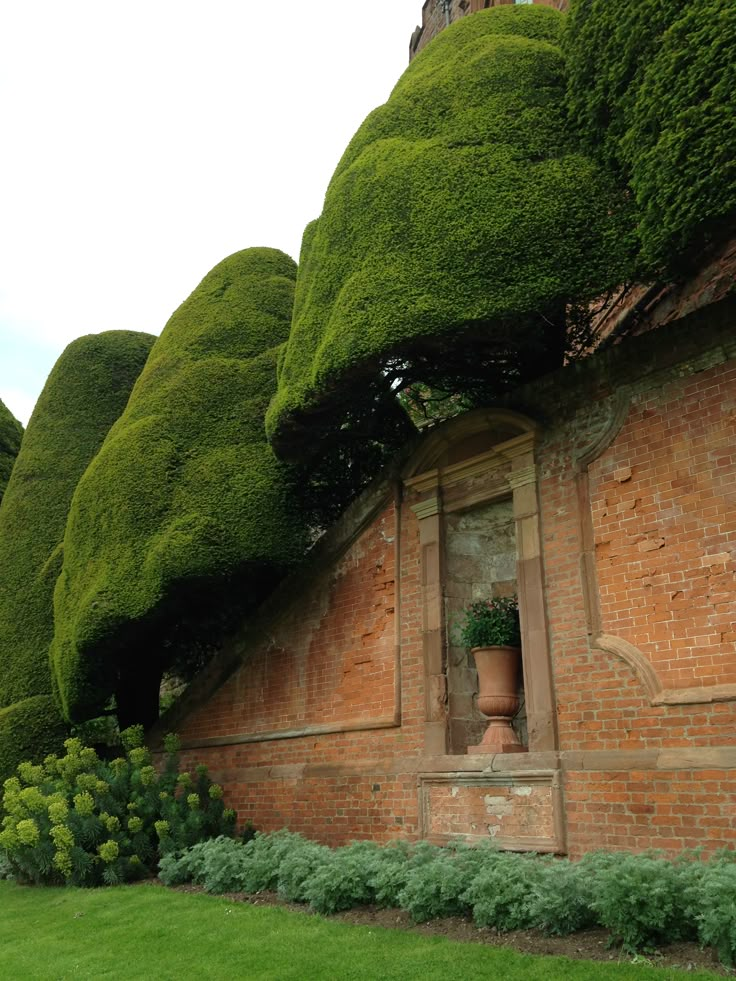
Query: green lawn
151,933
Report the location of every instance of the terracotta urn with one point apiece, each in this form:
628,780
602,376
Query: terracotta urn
498,698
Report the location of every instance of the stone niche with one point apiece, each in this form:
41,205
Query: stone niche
481,558
472,485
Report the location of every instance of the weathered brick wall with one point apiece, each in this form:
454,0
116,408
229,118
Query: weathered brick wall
326,719
663,500
642,634
637,810
305,734
521,814
648,307
331,661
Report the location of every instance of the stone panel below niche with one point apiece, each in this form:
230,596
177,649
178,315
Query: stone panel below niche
516,811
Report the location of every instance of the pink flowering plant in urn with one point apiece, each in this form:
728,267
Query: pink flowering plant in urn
491,630
491,623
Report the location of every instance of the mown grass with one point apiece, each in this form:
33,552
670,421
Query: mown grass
149,932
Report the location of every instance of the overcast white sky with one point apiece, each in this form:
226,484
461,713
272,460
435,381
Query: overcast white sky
145,141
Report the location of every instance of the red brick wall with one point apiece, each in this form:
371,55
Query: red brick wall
663,502
663,498
639,810
332,663
322,727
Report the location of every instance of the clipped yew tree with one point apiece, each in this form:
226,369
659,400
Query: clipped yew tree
11,433
461,226
652,88
83,396
185,512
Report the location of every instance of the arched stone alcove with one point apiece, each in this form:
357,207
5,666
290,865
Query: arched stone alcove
478,471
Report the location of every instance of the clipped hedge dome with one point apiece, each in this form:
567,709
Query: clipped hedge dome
460,221
11,433
184,498
84,394
652,86
29,730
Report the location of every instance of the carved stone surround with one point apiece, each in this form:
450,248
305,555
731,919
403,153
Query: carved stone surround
506,469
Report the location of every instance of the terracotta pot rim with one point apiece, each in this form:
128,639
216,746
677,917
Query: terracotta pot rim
496,647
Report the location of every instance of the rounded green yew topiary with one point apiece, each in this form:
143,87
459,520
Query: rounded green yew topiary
11,433
84,394
457,228
652,87
185,505
29,730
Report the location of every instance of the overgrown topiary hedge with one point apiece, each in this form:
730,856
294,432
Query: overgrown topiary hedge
29,730
84,394
652,87
185,506
460,223
11,433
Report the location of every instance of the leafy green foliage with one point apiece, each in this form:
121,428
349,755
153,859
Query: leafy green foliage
29,730
216,864
297,868
83,821
265,862
560,899
391,868
643,900
264,854
342,880
11,433
185,518
83,396
491,623
652,87
501,893
459,224
438,887
177,868
715,905
640,899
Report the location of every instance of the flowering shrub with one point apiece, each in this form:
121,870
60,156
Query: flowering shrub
491,623
84,821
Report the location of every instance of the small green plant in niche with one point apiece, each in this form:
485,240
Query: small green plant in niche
491,623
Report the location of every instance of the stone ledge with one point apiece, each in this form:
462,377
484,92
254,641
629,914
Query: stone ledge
331,728
485,767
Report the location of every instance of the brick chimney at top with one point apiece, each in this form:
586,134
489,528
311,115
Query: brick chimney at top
435,15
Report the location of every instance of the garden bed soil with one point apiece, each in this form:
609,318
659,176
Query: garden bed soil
591,945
